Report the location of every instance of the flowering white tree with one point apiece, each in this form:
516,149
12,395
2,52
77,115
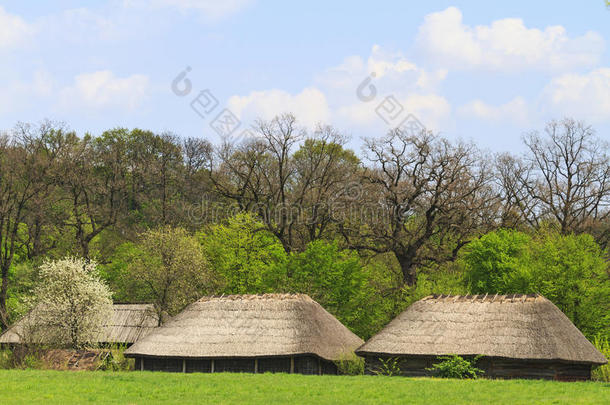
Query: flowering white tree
71,303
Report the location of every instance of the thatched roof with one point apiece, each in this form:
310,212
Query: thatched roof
249,326
506,326
129,323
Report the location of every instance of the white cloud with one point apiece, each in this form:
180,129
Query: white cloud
393,72
102,89
208,9
14,31
431,110
582,96
506,44
515,111
19,94
333,95
309,106
81,24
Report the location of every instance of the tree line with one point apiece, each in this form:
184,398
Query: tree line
404,209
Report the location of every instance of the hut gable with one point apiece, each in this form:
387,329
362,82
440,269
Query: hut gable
249,326
527,327
129,323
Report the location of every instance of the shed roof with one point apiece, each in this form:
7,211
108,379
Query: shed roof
129,323
250,326
508,326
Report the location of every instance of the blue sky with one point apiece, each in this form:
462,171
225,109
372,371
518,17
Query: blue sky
481,71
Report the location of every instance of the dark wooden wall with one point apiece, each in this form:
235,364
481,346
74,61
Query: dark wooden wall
281,364
416,366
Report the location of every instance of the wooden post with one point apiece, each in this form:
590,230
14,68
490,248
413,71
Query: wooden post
291,365
319,367
184,365
255,365
142,364
212,366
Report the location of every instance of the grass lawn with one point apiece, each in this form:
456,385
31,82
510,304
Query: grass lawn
68,387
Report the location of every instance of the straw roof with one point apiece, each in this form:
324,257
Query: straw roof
129,323
506,326
249,326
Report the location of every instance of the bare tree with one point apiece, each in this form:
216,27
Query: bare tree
93,175
434,197
564,178
290,190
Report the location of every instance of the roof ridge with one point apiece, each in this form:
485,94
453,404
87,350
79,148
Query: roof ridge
248,297
483,298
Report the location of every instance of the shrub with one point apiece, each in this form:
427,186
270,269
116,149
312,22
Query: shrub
602,373
389,367
455,366
21,358
6,359
350,364
114,359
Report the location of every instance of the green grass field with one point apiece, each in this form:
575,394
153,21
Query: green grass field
64,387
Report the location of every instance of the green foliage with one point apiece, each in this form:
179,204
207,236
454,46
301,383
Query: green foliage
113,359
455,366
22,358
337,280
569,270
245,255
350,364
6,359
32,361
389,367
23,277
602,373
169,268
499,262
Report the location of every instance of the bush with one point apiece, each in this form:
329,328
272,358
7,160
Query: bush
389,367
6,359
114,359
602,373
21,358
350,364
455,366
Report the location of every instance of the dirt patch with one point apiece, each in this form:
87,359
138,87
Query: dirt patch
60,359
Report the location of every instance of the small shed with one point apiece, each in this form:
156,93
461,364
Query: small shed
289,333
519,336
128,324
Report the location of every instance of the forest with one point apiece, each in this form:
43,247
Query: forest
365,233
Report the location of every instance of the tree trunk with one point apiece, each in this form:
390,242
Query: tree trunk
3,297
407,267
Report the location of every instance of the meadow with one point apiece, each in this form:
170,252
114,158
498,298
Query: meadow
62,387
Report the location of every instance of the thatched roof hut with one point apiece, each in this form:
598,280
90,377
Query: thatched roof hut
247,333
129,323
518,335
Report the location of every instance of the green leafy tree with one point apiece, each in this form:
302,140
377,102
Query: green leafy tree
245,255
570,270
169,268
499,262
337,280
